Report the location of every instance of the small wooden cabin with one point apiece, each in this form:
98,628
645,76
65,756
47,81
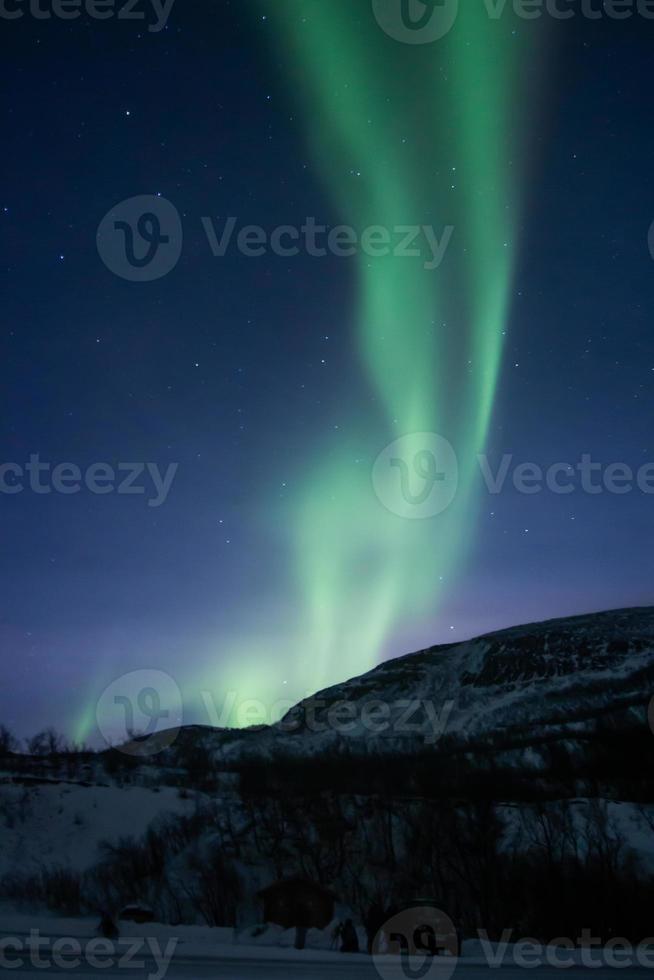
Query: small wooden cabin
299,902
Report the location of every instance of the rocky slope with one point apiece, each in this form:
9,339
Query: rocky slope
560,678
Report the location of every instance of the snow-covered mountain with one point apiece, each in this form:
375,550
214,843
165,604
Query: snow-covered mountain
535,681
535,730
556,679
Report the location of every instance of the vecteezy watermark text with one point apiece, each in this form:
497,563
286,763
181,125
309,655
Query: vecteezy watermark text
562,953
44,478
416,717
125,10
588,475
423,941
140,239
318,241
69,953
416,476
141,713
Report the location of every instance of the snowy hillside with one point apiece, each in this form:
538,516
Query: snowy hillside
558,679
63,823
553,678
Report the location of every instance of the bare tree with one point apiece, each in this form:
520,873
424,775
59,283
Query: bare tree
8,744
44,743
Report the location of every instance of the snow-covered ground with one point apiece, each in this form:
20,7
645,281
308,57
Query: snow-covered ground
156,951
63,823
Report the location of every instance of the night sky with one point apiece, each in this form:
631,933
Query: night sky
272,568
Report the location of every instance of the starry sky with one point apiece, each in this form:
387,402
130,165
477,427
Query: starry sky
272,568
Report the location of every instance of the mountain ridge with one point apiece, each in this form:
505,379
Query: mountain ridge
556,678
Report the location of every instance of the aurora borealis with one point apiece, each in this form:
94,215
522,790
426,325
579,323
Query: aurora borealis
276,382
366,97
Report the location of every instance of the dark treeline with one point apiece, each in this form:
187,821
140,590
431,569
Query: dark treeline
551,875
512,833
610,762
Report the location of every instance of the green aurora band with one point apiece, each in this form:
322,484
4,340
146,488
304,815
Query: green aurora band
405,135
402,135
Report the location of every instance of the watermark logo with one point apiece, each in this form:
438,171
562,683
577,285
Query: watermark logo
141,238
416,21
425,941
426,21
138,706
416,476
